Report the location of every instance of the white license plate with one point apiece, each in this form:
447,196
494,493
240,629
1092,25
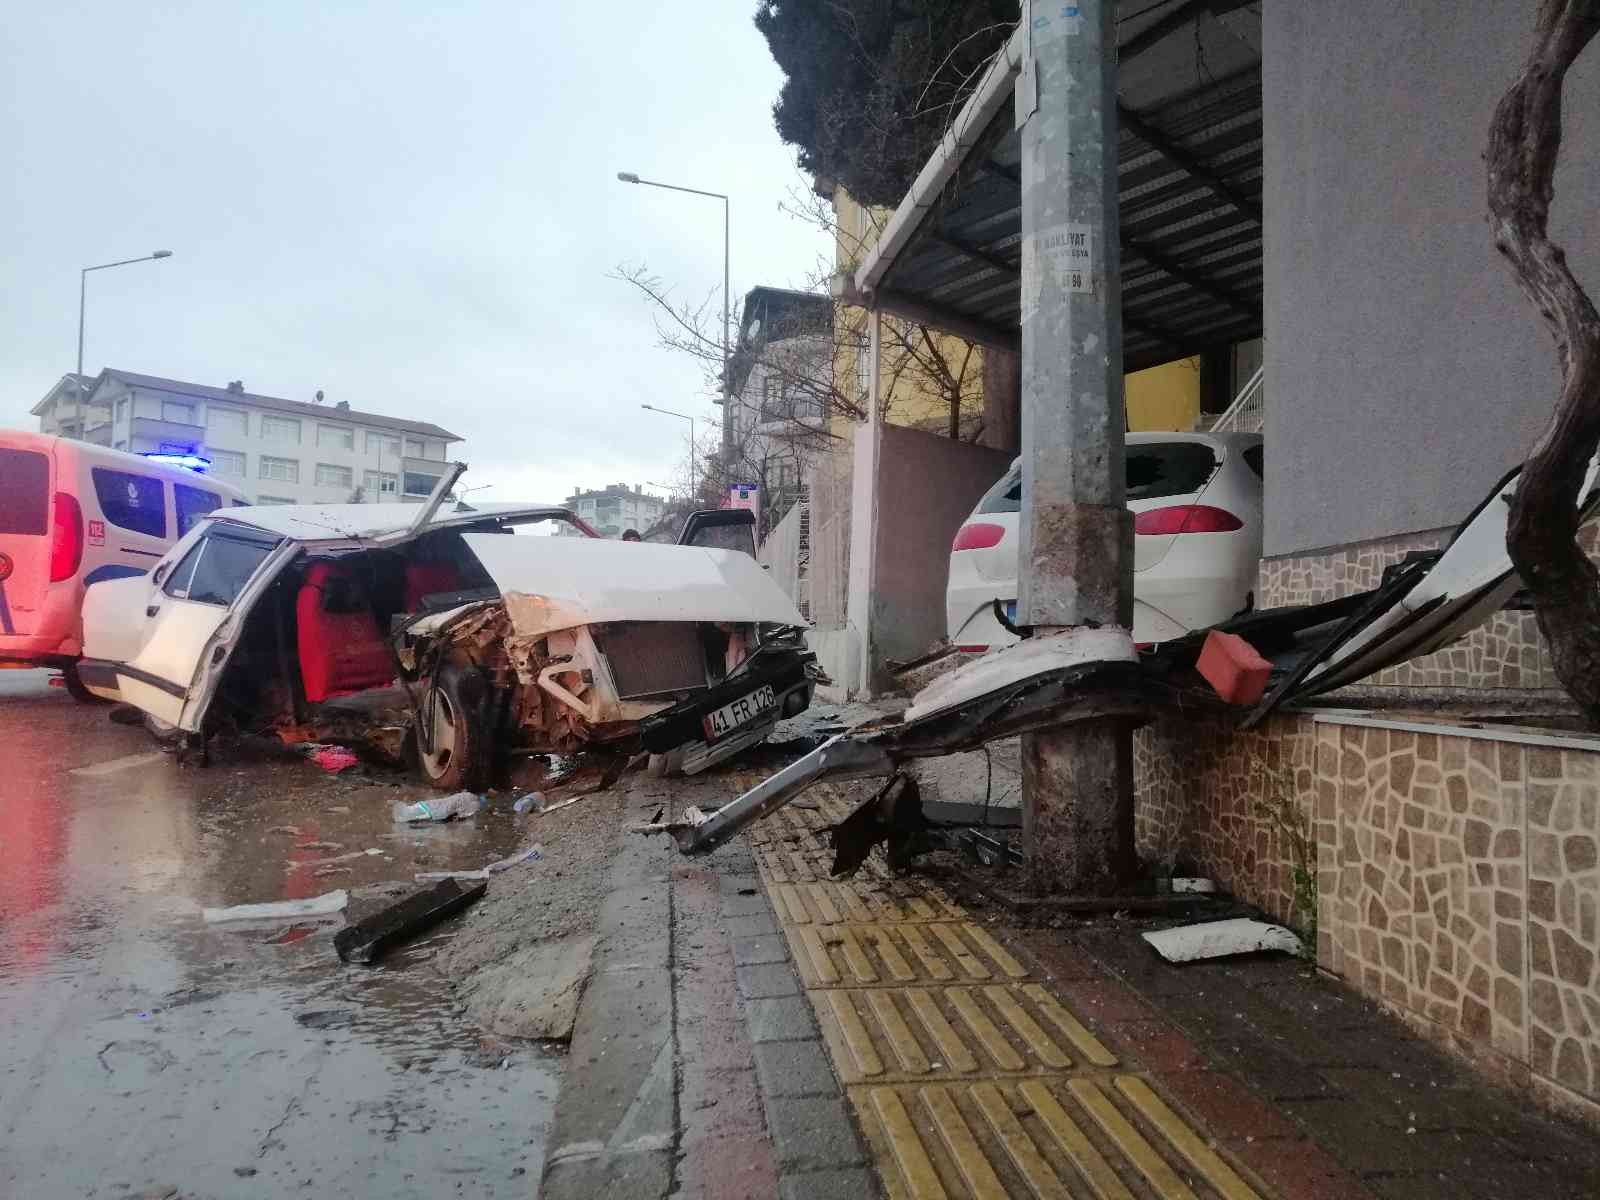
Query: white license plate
741,712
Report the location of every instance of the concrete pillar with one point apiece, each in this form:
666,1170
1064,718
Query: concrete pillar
864,517
1077,535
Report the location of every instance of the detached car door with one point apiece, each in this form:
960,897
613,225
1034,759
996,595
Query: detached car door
183,611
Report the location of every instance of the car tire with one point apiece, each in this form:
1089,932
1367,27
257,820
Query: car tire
164,732
458,755
76,689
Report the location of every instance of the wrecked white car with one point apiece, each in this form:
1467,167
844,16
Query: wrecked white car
454,639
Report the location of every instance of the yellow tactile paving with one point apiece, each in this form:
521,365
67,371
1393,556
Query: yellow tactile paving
972,1079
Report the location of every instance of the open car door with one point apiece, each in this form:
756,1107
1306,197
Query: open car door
721,529
184,610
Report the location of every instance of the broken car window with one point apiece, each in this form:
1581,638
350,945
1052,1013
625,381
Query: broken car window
216,570
1157,469
1005,496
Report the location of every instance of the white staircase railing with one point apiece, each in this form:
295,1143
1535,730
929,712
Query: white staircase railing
1247,413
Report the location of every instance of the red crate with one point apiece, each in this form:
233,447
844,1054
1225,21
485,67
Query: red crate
1233,668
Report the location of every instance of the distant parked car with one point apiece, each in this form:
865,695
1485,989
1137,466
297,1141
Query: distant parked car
73,515
1196,503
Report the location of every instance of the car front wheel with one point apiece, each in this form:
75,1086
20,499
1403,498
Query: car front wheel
76,689
450,738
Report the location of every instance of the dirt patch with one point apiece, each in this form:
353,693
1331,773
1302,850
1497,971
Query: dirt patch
538,919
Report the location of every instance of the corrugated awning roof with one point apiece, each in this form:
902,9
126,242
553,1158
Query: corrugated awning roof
1189,182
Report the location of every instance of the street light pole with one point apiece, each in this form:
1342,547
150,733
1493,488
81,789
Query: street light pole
727,381
83,289
693,453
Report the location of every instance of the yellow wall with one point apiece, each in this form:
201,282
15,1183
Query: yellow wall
1159,398
1165,397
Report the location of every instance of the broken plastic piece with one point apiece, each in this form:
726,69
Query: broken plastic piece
367,941
533,800
1219,939
462,804
334,758
532,854
1233,668
314,906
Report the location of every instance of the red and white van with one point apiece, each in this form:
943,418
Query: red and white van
71,515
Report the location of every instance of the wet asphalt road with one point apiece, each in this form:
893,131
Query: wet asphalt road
143,1052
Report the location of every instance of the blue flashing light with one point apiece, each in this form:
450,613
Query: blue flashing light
193,461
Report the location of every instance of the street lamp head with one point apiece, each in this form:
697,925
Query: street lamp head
627,177
162,254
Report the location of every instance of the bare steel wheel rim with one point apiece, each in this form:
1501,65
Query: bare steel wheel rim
442,734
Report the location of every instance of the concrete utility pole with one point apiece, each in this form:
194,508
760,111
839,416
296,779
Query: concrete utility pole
1077,535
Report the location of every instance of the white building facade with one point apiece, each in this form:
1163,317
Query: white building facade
614,510
279,451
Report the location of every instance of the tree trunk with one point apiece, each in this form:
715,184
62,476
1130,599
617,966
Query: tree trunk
1541,533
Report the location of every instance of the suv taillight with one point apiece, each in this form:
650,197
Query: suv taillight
1186,518
980,535
66,537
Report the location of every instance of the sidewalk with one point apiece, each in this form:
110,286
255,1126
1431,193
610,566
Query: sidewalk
756,1029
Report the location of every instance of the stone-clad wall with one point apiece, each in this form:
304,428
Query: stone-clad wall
1458,875
1506,652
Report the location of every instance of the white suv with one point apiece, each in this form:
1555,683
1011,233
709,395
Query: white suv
1196,504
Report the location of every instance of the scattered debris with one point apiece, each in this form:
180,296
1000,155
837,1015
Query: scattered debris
532,854
533,800
325,1018
1233,668
1219,939
367,941
314,906
330,758
338,858
462,804
1206,886
290,830
546,810
320,846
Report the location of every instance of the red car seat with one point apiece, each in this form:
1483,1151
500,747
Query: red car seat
426,578
341,650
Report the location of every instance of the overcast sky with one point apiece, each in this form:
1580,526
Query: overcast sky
409,206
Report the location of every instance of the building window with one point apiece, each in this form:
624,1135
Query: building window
273,500
434,451
227,462
177,411
413,448
329,475
285,470
227,420
380,483
122,409
280,429
419,483
339,437
381,444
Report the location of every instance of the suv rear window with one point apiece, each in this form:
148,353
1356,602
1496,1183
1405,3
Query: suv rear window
1154,469
1253,459
24,492
131,501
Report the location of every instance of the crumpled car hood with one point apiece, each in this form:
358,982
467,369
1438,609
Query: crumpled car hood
554,583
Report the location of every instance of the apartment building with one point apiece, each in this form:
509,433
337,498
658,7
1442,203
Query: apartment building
614,510
279,451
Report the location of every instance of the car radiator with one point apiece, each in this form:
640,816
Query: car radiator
653,658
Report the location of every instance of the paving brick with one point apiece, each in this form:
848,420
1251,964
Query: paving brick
1228,1108
767,979
751,926
1300,1170
813,1132
745,906
795,1069
1100,1002
856,1183
765,948
736,1167
716,1043
716,1104
784,1019
739,884
1159,1046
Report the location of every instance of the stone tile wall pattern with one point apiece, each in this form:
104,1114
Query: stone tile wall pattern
1458,877
1506,652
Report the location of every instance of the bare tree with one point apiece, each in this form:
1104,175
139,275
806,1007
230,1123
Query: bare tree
1541,534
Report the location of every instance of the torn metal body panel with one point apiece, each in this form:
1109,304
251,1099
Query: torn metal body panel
1042,683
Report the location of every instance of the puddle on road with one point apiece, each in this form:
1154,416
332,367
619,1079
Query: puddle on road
143,1049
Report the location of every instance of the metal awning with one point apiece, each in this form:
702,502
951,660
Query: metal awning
1189,186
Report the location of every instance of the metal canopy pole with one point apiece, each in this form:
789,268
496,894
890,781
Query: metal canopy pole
1077,535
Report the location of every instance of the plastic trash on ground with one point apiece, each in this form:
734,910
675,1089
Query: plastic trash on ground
1219,939
462,804
367,941
532,854
532,801
314,906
